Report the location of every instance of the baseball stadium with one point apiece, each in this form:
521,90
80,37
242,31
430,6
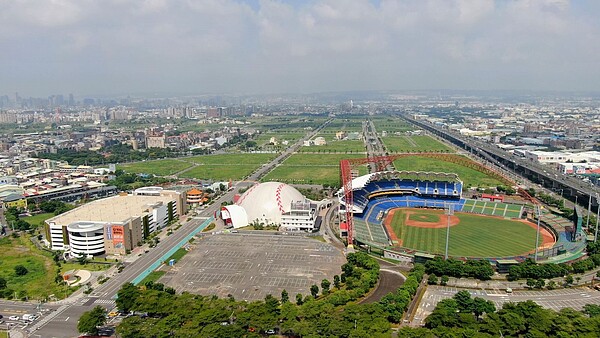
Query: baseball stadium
409,212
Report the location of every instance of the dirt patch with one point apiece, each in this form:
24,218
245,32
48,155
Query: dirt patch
548,239
442,223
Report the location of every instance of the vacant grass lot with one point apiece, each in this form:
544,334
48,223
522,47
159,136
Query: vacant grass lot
264,138
470,177
225,166
38,220
311,169
237,159
337,146
223,172
417,143
158,167
391,125
38,283
474,236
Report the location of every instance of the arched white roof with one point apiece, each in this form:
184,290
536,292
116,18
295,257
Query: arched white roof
237,214
266,202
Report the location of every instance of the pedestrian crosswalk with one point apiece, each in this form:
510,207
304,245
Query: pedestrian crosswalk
105,301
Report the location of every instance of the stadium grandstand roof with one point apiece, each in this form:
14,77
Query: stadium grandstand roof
361,181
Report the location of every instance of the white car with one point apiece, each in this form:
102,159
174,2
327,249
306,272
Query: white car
13,317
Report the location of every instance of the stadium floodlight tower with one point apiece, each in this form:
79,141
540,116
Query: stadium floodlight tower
449,212
537,236
597,216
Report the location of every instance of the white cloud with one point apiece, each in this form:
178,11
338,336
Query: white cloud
226,45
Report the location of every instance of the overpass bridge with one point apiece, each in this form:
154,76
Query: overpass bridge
571,188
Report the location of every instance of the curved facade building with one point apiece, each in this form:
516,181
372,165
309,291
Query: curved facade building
86,238
272,203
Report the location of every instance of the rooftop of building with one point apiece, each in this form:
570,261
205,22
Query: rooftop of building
111,209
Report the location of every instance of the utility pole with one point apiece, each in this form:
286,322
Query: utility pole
449,212
537,236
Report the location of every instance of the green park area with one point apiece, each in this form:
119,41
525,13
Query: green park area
473,236
159,167
312,169
469,176
416,143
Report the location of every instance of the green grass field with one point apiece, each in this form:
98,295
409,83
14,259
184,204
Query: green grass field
337,146
470,177
311,169
158,167
291,137
474,236
236,159
38,220
38,283
152,277
417,143
220,172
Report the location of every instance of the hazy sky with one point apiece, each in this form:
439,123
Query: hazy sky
211,46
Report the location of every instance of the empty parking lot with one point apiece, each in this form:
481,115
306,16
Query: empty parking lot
251,265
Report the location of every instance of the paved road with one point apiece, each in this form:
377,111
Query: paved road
574,298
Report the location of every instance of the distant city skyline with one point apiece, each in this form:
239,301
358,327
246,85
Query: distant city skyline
261,46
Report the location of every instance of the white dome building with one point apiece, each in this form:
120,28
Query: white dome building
269,203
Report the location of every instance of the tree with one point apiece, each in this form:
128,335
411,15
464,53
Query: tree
444,280
531,283
325,284
2,283
91,320
569,280
336,281
481,306
314,290
299,299
284,296
20,270
540,283
432,280
126,297
464,301
591,310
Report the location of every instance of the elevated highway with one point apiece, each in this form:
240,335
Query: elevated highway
573,189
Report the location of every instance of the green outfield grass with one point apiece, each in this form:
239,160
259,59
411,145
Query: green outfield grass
158,167
417,143
470,177
474,236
